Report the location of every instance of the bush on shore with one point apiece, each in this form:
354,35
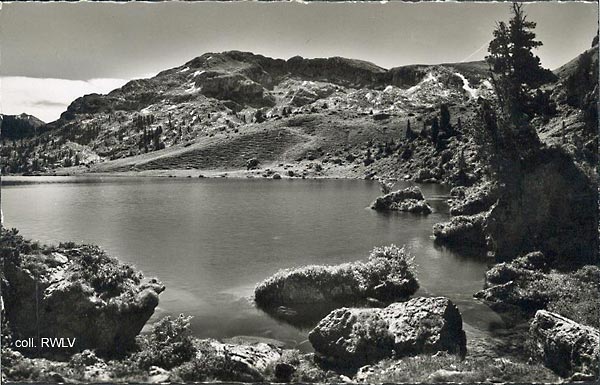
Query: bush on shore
169,344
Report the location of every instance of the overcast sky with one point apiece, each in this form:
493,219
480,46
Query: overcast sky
54,52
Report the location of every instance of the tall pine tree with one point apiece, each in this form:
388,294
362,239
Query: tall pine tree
515,69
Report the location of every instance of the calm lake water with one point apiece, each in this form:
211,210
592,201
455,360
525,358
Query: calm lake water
211,240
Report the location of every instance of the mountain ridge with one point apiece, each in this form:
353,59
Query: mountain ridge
302,117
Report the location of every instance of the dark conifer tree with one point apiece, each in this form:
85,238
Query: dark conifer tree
445,118
516,68
435,130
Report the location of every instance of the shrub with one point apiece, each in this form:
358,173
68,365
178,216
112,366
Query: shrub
169,344
573,295
105,274
402,261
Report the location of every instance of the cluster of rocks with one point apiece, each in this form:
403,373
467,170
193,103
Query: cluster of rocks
507,285
350,337
527,287
410,200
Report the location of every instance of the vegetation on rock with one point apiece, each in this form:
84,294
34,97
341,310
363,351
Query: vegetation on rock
73,291
410,199
387,275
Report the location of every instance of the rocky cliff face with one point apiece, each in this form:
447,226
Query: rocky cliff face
549,211
575,125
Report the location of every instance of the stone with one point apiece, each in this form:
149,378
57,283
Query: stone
410,199
426,325
462,231
423,175
565,346
387,275
91,297
354,337
158,375
475,199
251,360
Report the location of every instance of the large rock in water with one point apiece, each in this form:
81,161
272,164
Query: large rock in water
463,231
387,275
476,199
75,292
356,337
565,346
410,199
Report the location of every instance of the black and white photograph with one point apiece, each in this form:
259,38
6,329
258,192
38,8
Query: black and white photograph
299,192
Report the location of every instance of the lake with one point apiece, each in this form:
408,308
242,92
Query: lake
211,240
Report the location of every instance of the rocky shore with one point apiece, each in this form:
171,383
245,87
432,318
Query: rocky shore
398,339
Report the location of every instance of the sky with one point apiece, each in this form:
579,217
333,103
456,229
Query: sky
52,53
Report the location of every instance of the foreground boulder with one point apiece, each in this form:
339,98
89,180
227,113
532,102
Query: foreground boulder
410,200
565,346
426,325
246,362
75,292
387,275
351,337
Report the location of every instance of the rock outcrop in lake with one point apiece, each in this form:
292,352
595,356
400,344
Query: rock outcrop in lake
74,291
387,275
463,231
410,200
353,337
565,346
